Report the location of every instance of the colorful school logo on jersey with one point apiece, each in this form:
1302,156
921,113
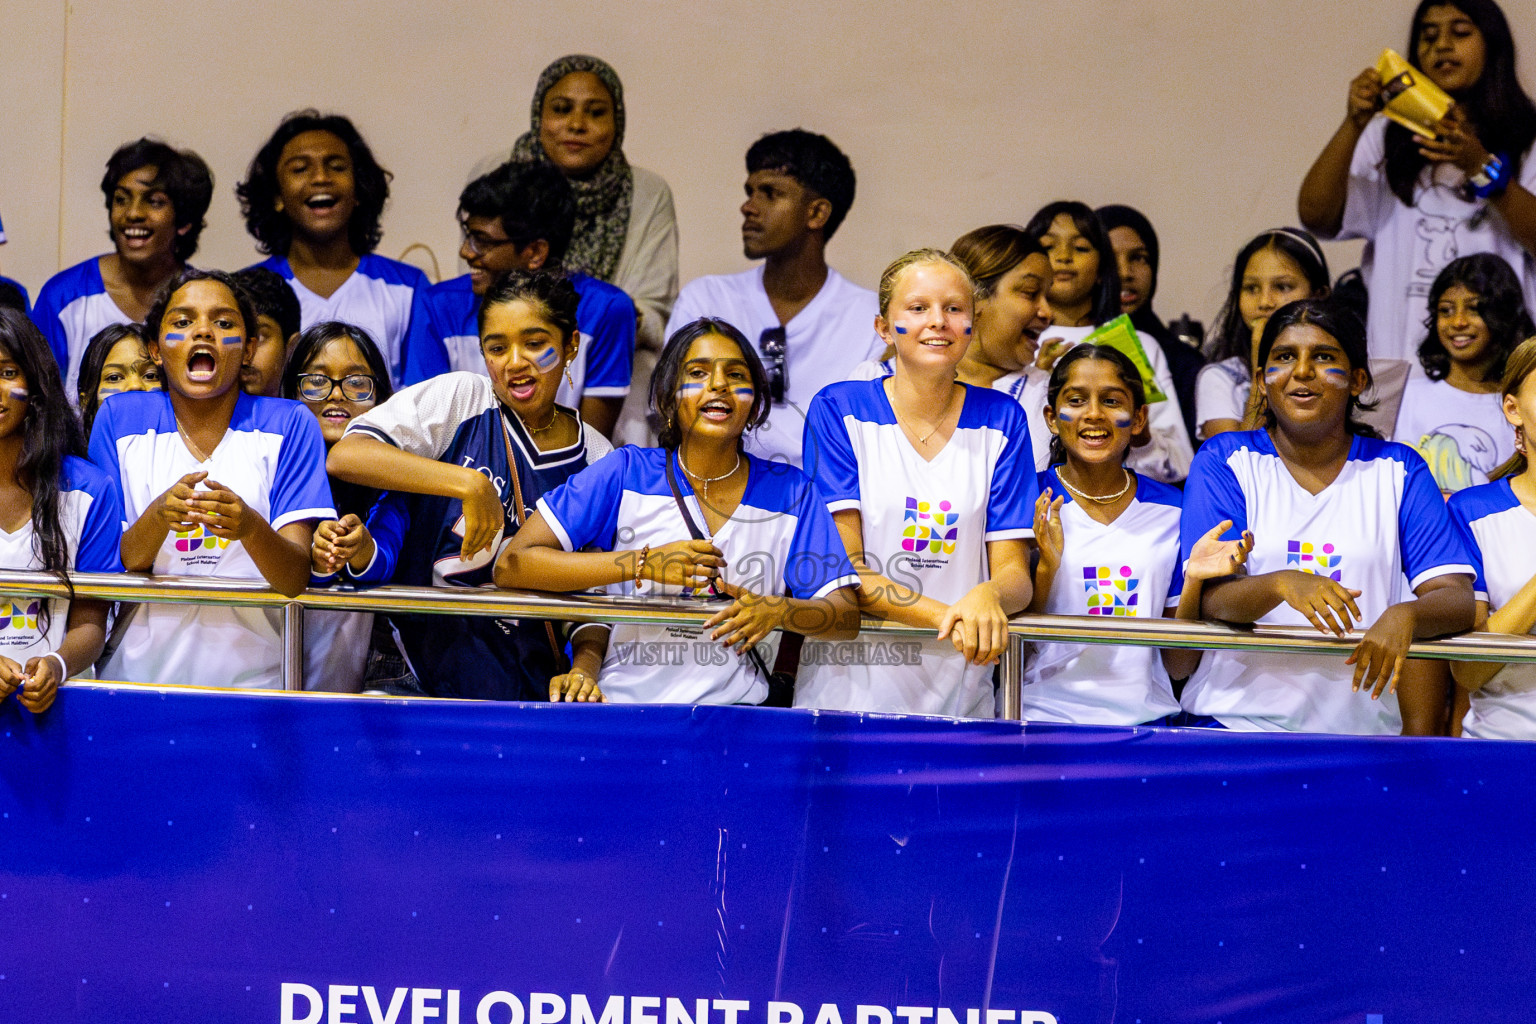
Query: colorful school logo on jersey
929,528
1110,591
195,540
1317,559
18,616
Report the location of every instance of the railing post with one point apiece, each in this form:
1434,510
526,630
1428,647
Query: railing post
293,646
1012,678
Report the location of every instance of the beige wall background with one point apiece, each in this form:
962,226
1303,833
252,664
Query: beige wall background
1205,115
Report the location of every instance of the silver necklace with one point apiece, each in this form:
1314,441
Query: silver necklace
1102,499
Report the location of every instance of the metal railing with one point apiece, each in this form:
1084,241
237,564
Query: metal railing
1178,633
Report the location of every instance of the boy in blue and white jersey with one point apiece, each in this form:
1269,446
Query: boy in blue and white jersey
520,216
156,198
313,200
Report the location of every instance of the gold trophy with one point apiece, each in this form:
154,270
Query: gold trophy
1409,97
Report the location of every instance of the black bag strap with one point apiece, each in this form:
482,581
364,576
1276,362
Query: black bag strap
698,534
521,515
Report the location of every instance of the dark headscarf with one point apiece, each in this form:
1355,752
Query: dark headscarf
602,197
1183,361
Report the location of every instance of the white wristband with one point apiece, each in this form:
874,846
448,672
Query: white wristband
63,668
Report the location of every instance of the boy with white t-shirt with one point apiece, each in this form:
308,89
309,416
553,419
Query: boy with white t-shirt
811,326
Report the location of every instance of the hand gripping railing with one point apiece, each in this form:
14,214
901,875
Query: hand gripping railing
137,589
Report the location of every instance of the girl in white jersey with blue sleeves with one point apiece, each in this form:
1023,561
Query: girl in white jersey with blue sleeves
1338,518
1498,520
1109,546
57,513
215,482
695,516
931,483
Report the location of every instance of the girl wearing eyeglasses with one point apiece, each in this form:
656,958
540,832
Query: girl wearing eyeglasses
336,370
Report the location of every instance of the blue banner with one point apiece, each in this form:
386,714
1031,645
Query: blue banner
197,857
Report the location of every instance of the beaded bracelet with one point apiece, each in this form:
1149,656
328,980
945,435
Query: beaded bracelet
645,553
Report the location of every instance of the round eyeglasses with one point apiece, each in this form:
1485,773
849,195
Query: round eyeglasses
355,387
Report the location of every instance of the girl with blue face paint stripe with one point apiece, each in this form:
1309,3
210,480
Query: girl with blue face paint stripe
698,517
1109,545
1339,517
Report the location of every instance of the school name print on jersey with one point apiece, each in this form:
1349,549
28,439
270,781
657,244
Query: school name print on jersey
1110,590
929,528
1316,559
198,547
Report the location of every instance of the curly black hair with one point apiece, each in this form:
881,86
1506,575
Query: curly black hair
180,173
1501,304
814,162
258,193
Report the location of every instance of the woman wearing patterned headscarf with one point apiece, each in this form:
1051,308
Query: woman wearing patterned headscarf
626,230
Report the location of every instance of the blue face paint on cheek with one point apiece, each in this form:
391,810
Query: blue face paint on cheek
1122,421
1272,373
547,359
899,329
18,394
746,393
1064,416
684,389
967,329
1336,376
175,337
233,339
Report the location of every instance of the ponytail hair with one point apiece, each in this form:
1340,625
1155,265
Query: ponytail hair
1520,365
1129,376
1340,323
